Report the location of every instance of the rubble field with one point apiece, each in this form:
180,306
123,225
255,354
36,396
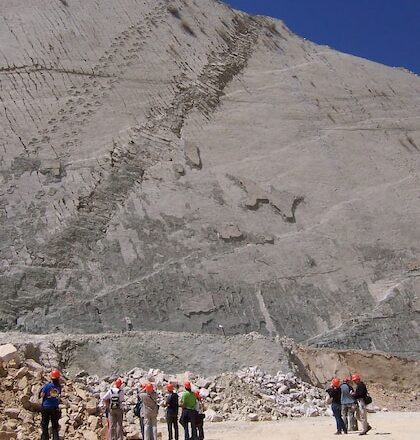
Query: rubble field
249,395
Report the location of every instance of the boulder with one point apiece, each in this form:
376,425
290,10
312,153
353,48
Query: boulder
29,405
92,406
204,392
23,383
7,435
33,365
212,416
13,413
311,412
94,422
283,389
203,383
81,393
90,435
8,352
252,417
22,372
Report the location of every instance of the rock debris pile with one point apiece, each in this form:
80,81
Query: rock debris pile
20,418
282,395
249,395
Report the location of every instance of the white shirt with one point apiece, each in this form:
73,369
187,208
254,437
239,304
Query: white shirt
112,391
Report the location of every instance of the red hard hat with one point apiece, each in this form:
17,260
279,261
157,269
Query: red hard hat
335,382
118,382
148,387
55,374
187,385
170,387
355,377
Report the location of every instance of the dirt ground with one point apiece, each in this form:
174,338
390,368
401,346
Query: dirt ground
389,426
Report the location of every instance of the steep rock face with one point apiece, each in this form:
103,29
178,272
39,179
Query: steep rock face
186,165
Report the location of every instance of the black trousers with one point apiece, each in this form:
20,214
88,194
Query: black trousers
53,415
189,416
172,422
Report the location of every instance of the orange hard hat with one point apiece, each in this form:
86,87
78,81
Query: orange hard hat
355,377
170,387
55,374
336,382
187,385
148,388
118,382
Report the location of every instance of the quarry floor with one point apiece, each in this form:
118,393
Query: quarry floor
389,426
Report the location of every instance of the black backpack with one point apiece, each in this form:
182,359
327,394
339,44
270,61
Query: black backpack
137,408
368,399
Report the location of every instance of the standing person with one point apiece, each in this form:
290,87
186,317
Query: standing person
348,405
138,411
172,407
114,402
200,408
189,414
360,395
50,395
150,409
335,396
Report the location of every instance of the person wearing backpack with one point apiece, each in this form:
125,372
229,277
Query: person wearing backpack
362,398
50,395
172,408
114,403
149,411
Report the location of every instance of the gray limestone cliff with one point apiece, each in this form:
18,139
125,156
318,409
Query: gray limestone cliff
188,166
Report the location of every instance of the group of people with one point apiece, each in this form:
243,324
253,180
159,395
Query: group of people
147,408
190,403
348,400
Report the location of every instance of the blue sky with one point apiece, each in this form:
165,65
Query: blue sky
386,31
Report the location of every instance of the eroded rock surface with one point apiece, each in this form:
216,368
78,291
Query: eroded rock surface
126,129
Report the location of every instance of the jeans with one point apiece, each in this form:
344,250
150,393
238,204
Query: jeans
150,428
48,414
172,422
336,409
189,416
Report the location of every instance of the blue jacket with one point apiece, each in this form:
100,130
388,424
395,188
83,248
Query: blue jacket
346,397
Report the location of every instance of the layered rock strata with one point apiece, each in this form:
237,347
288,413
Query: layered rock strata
187,166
